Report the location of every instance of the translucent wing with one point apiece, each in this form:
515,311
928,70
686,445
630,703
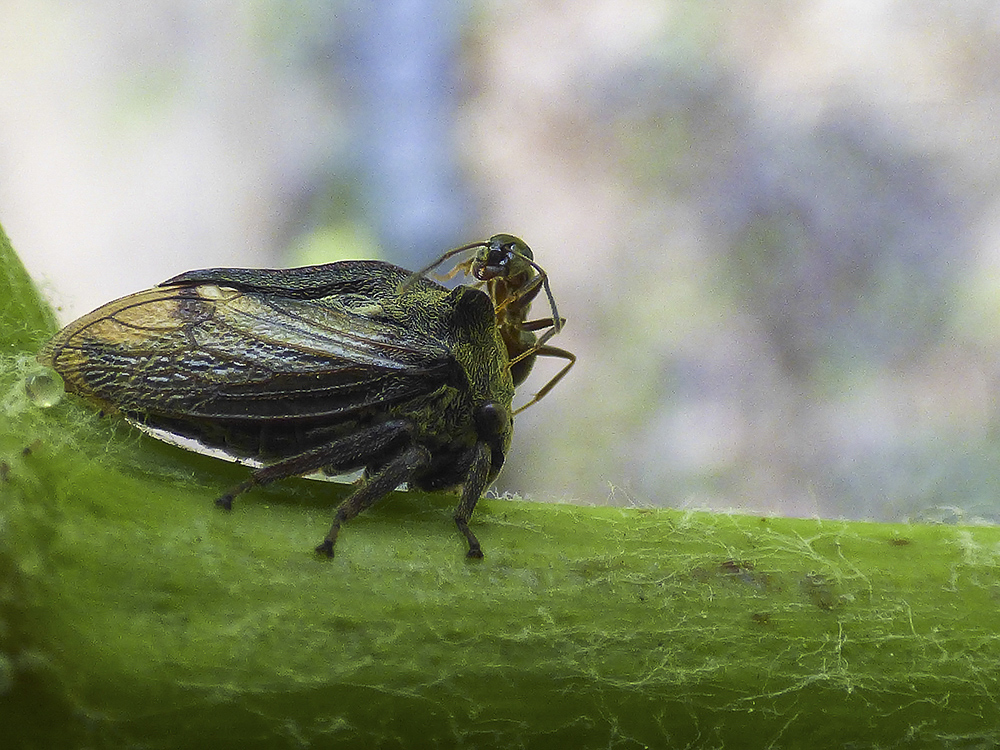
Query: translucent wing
324,344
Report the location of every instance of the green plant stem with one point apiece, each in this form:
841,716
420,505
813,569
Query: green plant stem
135,614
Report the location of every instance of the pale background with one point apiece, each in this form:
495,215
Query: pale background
773,226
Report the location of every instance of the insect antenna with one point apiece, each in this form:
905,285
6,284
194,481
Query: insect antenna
465,266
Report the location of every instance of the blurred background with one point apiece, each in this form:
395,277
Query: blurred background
772,226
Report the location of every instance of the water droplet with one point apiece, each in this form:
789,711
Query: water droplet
44,387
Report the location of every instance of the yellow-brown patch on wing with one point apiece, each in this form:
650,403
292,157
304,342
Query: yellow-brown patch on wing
133,319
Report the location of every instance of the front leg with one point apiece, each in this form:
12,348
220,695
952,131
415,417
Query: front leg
475,485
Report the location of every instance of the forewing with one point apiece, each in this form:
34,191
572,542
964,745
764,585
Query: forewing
205,352
373,279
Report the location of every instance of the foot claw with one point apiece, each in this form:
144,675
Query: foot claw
325,548
225,502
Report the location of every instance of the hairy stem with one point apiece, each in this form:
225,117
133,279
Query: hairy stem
135,614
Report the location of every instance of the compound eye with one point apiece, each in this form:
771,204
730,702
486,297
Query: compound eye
508,244
492,420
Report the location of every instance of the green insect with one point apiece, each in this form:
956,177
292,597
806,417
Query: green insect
338,367
506,266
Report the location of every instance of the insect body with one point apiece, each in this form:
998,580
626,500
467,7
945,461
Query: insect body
505,264
356,364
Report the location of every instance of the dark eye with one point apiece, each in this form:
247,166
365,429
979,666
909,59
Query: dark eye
491,420
499,258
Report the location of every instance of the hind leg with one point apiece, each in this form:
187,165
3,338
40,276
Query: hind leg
393,474
353,451
388,444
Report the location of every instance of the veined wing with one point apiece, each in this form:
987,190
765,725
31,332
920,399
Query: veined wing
203,349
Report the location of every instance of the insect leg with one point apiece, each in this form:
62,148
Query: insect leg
543,277
475,485
550,351
523,295
350,452
537,325
393,474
